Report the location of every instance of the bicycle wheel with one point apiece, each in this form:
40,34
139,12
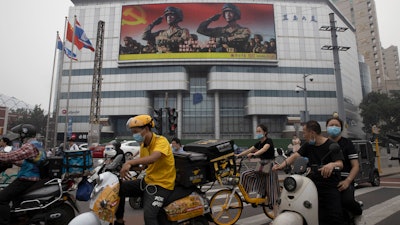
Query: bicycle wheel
268,211
226,207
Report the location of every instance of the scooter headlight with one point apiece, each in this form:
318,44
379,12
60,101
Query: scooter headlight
290,184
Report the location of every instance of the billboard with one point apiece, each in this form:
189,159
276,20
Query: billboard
197,32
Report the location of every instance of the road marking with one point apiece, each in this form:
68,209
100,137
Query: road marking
379,212
366,190
252,220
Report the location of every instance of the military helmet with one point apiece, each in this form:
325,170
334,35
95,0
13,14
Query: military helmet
259,36
233,8
176,11
24,130
140,121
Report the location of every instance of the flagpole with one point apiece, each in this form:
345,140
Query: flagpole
51,95
69,87
60,71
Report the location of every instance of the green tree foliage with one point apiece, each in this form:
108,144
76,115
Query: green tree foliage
381,110
35,117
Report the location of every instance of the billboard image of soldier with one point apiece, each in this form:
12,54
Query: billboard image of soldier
190,33
170,39
232,37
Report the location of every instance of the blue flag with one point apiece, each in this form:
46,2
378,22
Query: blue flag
67,51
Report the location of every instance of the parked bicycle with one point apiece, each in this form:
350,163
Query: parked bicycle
227,203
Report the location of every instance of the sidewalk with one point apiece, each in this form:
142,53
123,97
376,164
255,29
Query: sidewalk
387,171
388,166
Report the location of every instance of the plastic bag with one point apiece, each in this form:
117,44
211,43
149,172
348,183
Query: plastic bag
85,188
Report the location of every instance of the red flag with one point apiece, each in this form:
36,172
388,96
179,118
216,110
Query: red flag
70,33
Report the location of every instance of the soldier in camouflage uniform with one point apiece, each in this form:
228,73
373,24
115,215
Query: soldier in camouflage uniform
233,37
168,40
258,45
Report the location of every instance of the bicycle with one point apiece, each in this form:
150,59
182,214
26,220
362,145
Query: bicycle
227,204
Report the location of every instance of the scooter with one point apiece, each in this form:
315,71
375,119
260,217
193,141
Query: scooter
46,202
299,197
183,206
51,204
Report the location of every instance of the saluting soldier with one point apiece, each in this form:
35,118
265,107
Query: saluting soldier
168,40
233,37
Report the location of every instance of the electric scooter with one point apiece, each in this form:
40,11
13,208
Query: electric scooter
183,206
299,197
46,202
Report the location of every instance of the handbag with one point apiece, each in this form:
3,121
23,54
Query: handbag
263,166
84,191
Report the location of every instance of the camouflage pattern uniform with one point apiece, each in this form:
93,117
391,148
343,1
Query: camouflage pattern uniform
168,40
234,39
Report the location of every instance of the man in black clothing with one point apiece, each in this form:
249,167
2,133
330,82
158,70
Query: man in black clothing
317,151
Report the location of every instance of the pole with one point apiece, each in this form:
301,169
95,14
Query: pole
59,82
46,140
69,89
338,75
378,154
306,116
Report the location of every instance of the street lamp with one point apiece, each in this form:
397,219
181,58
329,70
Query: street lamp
304,88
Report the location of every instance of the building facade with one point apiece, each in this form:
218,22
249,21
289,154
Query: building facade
215,94
392,70
362,14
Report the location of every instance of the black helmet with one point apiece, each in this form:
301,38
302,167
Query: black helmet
233,8
24,130
178,13
259,37
117,145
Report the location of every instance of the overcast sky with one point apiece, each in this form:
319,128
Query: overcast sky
28,39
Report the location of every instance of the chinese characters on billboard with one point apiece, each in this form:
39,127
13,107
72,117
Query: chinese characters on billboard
220,31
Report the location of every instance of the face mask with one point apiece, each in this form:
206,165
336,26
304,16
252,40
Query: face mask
174,149
311,142
259,136
333,131
137,137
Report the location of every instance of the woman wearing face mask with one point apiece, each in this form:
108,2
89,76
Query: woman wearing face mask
264,149
334,128
315,149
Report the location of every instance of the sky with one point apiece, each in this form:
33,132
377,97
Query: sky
28,38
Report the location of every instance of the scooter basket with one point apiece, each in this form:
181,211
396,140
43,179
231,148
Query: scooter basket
77,163
188,207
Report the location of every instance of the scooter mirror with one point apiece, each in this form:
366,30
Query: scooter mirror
300,165
7,149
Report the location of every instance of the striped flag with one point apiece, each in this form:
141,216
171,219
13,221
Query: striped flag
67,51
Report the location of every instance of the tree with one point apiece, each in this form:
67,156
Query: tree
381,110
35,117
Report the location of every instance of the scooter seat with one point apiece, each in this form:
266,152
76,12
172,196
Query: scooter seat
43,192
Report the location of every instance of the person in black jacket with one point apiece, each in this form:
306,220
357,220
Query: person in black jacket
117,147
351,166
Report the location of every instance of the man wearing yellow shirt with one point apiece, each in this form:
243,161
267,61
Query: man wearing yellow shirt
156,153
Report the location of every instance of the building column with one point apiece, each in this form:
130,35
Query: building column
217,131
254,119
179,100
